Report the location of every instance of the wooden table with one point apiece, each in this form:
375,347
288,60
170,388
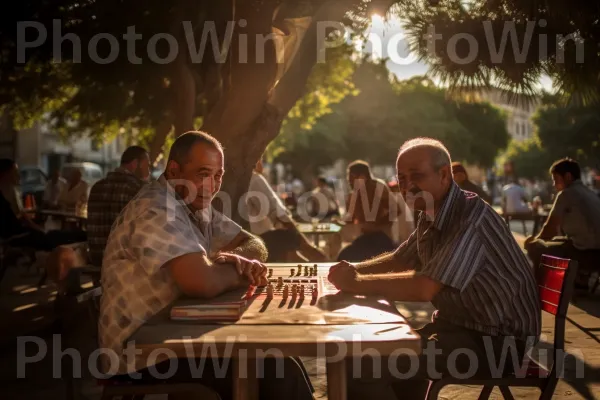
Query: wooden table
335,336
322,228
65,216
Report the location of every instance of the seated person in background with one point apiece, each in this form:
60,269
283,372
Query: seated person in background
17,227
462,180
168,242
323,198
370,207
573,224
110,195
271,220
76,192
464,260
514,199
55,186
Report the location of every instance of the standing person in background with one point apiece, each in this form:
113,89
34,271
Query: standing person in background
76,192
55,186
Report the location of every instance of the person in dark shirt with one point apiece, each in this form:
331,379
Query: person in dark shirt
462,180
110,195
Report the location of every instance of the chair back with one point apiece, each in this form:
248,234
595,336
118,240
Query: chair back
555,278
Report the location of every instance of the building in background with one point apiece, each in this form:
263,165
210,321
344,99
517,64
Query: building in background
518,108
39,146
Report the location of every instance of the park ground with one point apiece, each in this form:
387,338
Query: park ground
26,310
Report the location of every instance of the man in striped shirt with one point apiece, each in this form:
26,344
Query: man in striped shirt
463,259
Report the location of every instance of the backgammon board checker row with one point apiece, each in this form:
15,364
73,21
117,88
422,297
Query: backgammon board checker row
296,294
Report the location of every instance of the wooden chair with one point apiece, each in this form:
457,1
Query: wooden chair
67,306
555,278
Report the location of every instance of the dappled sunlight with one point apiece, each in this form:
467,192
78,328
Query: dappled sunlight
25,307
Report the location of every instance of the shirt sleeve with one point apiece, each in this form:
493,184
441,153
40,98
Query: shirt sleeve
157,238
224,230
561,205
276,208
457,260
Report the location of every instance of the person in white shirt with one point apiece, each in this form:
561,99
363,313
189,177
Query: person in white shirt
271,220
55,186
324,196
514,199
76,192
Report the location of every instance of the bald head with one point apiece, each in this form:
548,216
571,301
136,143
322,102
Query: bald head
424,173
438,153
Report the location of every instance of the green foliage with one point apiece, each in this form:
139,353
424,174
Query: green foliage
530,159
562,130
383,113
487,22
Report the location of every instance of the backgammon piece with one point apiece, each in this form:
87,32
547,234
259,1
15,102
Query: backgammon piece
285,292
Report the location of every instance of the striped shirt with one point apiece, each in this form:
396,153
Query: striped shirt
489,285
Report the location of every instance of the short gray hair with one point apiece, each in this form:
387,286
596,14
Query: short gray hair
440,156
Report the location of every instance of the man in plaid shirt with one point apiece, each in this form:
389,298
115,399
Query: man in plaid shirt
109,197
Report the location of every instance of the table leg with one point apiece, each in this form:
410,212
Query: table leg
336,380
245,383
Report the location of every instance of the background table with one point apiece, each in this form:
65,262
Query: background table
66,216
324,228
291,337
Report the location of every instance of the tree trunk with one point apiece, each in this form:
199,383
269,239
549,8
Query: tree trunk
249,116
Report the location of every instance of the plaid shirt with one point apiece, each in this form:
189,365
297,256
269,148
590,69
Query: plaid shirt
108,198
156,227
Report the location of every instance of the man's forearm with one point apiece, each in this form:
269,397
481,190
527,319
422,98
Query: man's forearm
404,286
252,248
382,264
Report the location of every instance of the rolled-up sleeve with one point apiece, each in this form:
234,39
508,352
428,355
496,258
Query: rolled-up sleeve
224,230
457,259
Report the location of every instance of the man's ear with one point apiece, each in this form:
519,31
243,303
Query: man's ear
172,171
568,177
446,173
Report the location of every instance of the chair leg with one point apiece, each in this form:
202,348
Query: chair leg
593,289
506,393
485,393
106,395
435,387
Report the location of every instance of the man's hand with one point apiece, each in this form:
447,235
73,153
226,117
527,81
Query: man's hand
253,270
343,276
529,240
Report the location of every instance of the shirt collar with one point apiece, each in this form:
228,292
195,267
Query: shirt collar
201,216
444,214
